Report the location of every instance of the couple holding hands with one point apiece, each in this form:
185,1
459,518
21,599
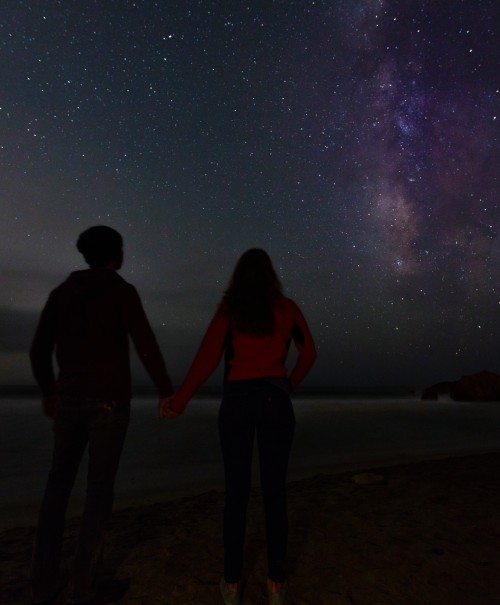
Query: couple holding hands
87,321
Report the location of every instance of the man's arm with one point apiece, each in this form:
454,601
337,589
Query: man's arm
42,349
146,345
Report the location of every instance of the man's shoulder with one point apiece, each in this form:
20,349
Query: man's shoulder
118,279
124,288
81,282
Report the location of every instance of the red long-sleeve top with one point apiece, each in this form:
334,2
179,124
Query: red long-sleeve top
250,357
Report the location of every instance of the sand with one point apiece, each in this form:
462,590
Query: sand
423,533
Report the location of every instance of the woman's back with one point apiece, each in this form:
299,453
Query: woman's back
249,356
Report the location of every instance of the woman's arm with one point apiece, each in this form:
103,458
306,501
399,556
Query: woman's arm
205,362
304,342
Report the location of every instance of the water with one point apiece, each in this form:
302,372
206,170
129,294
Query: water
164,459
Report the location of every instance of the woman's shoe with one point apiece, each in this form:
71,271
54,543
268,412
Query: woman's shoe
230,597
276,592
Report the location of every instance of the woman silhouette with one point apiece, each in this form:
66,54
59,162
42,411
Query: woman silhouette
253,327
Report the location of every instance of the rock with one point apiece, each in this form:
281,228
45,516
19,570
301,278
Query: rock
433,392
482,386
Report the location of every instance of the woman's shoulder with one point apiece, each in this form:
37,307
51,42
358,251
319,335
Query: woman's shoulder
222,309
222,314
286,304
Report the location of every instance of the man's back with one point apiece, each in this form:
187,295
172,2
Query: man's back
87,320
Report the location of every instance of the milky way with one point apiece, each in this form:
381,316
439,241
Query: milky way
356,141
433,127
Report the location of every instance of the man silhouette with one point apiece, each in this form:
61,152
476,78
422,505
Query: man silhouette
87,322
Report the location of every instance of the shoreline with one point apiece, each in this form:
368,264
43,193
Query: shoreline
25,515
419,533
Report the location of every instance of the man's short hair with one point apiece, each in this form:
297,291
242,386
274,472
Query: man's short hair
100,246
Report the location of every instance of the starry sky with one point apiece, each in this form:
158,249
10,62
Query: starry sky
356,141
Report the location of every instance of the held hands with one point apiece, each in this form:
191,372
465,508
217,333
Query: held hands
164,410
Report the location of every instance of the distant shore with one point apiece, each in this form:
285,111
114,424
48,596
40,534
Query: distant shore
415,534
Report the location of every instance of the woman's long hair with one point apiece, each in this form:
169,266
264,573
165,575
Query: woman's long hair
252,292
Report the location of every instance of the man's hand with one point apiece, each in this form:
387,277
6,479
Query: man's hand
163,404
49,406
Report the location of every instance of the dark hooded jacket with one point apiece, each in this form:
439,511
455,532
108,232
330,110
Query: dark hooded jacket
87,321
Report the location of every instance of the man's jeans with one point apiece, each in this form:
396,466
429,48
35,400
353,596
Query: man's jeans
102,425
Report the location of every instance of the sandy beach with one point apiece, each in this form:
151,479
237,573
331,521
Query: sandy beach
422,533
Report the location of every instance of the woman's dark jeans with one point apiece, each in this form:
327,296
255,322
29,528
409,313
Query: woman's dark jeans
250,408
103,426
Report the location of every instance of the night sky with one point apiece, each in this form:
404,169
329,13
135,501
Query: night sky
356,141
